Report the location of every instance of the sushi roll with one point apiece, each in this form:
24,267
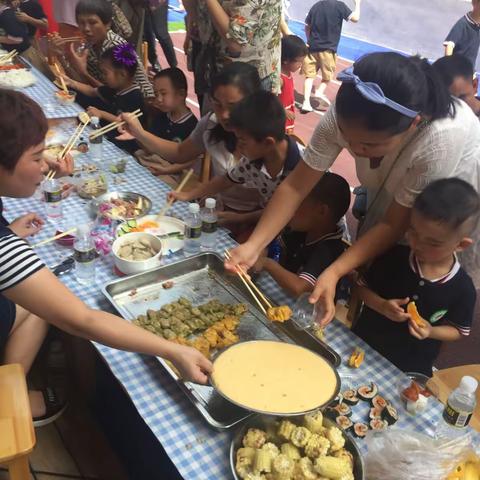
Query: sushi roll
378,425
379,402
360,429
344,422
337,401
331,413
343,409
367,392
350,397
390,414
375,413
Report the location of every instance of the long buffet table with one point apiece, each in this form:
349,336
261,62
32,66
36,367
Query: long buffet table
197,450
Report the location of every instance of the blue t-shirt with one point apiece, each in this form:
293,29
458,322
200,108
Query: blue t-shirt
465,34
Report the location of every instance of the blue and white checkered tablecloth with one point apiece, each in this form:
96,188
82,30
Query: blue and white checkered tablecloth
197,450
43,92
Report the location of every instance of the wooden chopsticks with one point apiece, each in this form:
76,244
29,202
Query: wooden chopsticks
113,126
8,57
70,144
56,237
179,188
258,296
59,75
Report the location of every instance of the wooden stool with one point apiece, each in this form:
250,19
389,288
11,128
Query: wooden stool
17,436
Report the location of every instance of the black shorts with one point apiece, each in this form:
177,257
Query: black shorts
7,319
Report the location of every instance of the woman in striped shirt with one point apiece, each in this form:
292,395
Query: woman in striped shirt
26,285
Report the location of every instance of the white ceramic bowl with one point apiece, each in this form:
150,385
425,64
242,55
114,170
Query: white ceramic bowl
130,267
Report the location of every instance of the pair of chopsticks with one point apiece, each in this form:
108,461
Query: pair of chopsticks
60,77
113,126
56,237
251,287
8,57
70,144
179,188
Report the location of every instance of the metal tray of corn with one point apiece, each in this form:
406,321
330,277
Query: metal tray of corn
199,279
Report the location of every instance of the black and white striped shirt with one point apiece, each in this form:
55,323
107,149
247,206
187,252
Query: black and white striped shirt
17,260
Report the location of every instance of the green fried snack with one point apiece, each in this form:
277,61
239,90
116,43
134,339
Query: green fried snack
291,451
285,429
254,438
337,440
263,461
316,446
314,422
304,470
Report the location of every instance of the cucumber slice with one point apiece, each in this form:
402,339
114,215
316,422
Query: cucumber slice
132,223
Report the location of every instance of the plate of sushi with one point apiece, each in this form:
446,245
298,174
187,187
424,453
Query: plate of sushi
359,410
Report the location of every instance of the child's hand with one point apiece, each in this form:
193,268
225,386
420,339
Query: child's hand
394,311
422,332
68,81
259,265
290,115
94,112
23,17
178,196
225,218
26,225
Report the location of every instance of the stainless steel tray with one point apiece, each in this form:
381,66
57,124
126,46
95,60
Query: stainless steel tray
201,278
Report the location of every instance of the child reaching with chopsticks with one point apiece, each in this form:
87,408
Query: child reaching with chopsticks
120,94
31,297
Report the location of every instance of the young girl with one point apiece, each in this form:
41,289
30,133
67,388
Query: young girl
294,52
94,18
397,119
119,94
26,285
213,135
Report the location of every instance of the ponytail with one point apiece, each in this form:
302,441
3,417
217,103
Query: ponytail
409,81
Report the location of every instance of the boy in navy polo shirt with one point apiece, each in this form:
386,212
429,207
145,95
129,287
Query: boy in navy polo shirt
464,37
313,240
458,75
268,155
428,273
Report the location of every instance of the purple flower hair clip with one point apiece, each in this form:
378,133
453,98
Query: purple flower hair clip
125,54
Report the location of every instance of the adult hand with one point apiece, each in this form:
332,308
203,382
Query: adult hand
290,115
94,112
420,332
324,295
62,166
191,364
79,60
394,311
244,255
132,125
178,196
26,225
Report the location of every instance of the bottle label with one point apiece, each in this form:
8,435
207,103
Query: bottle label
209,227
193,232
85,256
52,197
456,418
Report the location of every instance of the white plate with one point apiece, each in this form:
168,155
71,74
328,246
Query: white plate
166,225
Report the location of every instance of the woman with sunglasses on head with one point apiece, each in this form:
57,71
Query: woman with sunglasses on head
404,131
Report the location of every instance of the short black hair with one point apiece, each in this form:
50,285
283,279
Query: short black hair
453,66
409,81
334,191
176,76
260,115
292,48
450,200
22,125
102,8
126,52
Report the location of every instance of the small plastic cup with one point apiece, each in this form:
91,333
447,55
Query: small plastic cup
304,312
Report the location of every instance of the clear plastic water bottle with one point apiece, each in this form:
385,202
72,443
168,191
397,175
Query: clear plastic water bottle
96,145
209,225
52,194
458,410
193,230
85,256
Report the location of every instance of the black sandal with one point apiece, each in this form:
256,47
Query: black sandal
55,406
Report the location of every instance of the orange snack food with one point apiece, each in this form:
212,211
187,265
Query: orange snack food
414,315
